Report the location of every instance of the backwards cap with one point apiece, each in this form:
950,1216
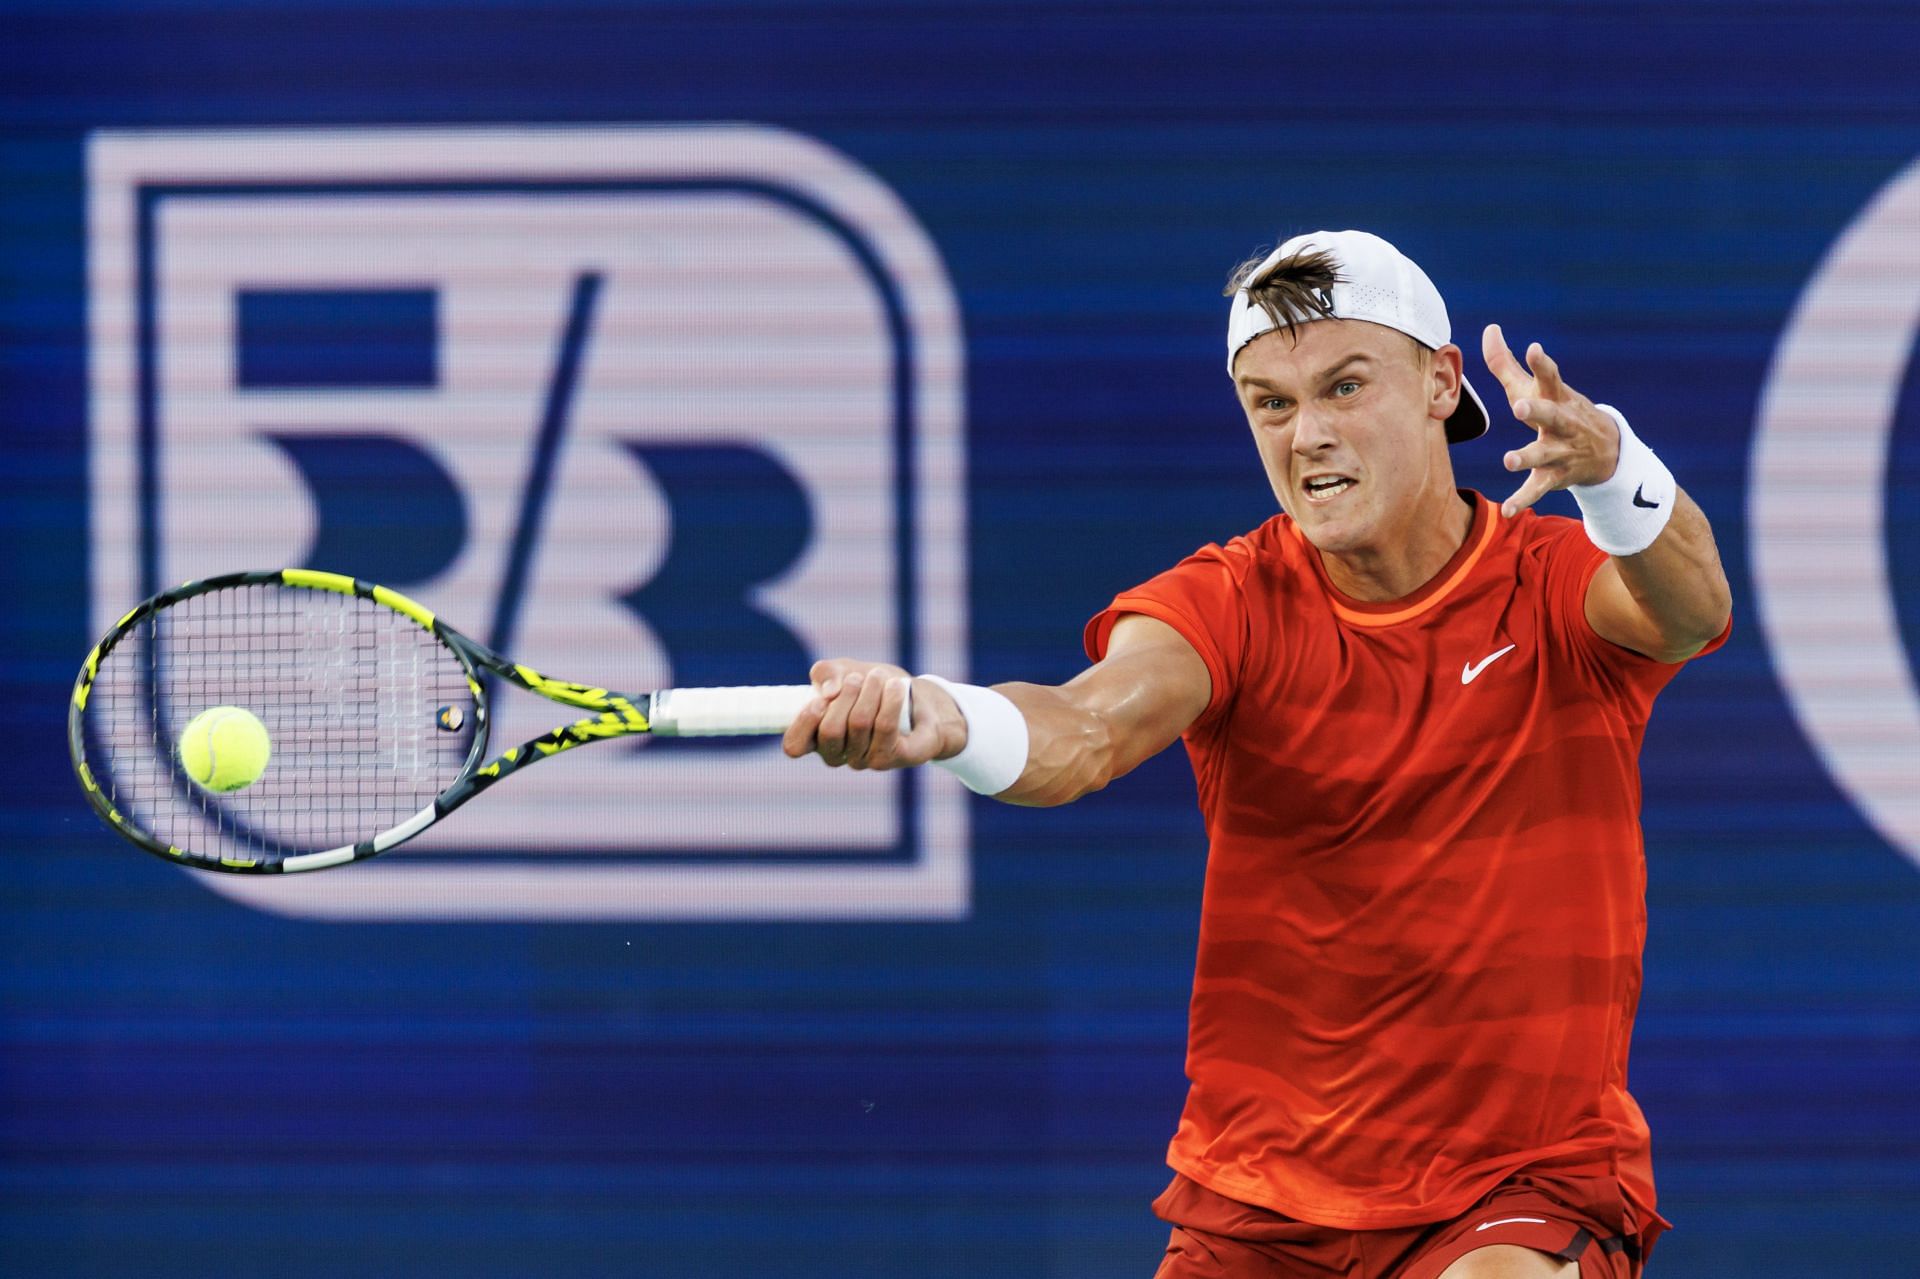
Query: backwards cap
1376,282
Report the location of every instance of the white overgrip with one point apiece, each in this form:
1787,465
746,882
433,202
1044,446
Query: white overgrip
750,711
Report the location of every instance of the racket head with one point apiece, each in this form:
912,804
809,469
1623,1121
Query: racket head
373,708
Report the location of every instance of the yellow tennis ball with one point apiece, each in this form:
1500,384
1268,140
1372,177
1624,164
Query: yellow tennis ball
225,748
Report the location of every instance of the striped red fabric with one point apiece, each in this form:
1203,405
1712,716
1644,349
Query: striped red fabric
1424,907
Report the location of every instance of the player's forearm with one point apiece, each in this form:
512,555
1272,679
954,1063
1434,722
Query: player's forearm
1104,722
1022,743
1678,583
1072,750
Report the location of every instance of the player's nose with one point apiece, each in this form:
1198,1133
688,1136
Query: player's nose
1313,433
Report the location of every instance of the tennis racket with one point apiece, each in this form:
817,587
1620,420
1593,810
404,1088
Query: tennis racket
377,709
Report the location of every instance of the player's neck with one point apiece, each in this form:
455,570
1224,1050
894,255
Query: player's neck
1437,529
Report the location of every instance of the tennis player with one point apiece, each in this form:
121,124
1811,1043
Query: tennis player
1414,716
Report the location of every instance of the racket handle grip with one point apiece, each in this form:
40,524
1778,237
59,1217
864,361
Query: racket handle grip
760,711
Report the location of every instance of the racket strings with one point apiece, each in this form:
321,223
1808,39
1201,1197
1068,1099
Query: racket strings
349,692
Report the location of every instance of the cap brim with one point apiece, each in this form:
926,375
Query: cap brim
1469,420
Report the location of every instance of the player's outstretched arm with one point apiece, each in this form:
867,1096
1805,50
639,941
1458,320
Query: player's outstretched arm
1663,593
1670,600
1079,736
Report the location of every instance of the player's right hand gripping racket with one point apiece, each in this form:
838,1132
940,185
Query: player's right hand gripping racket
377,712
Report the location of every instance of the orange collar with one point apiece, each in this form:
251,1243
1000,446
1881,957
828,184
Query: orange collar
1436,588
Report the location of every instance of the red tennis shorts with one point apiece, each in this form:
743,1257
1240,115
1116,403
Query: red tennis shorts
1576,1219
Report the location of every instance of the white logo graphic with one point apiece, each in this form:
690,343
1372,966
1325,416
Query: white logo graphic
1816,514
1508,1221
1471,670
637,406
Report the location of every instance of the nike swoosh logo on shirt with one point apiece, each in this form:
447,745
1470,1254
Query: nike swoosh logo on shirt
1507,1221
1471,670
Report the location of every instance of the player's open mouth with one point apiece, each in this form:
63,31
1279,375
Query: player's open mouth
1324,488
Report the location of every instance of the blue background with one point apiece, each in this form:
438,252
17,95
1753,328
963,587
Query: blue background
187,1087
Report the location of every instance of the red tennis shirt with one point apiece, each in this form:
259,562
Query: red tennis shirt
1424,908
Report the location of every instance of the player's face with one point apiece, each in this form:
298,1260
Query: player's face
1350,422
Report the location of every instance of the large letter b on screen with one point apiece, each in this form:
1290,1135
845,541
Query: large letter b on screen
642,406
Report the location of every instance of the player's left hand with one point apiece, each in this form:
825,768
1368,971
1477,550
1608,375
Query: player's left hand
1577,444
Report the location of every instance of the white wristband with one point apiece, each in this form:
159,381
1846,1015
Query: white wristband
1625,513
996,751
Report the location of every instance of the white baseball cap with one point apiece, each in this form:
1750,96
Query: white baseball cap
1376,282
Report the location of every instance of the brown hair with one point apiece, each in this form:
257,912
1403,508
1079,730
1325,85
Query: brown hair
1297,289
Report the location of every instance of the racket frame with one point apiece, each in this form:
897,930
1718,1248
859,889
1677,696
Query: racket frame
615,715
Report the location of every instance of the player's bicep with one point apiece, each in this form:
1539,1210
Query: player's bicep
1132,704
1669,601
1616,616
1150,687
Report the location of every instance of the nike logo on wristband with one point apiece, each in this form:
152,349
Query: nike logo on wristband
1641,501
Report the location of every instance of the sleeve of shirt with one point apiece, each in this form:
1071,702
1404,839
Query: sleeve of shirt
1203,598
1571,562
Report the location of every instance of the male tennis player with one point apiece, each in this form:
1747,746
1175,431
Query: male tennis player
1415,718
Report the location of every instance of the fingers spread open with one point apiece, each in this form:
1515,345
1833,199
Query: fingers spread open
1545,371
1537,454
1545,416
1538,485
1514,378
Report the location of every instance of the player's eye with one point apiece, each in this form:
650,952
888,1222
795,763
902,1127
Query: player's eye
1347,389
1273,404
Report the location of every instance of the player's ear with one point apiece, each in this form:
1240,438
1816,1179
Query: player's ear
1444,371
